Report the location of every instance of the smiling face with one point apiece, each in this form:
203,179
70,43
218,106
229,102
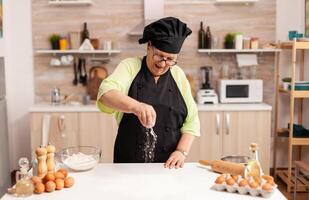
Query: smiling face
159,62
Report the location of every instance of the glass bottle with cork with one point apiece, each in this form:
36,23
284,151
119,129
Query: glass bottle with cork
201,37
208,38
24,186
254,167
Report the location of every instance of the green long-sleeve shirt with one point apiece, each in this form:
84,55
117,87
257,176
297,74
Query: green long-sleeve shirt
122,78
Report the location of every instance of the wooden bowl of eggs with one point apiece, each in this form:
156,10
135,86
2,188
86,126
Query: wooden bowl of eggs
255,186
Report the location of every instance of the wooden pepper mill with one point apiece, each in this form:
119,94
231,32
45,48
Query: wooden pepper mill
50,162
41,157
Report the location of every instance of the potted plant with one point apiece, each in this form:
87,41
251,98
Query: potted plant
286,81
229,41
54,41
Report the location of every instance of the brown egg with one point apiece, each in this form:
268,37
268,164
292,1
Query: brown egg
50,186
59,175
254,185
230,181
234,177
268,178
49,177
63,171
36,179
243,183
59,184
271,183
68,182
39,188
257,179
267,187
220,180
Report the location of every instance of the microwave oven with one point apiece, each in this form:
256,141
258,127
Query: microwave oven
240,91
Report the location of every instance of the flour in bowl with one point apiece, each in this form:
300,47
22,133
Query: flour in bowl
80,162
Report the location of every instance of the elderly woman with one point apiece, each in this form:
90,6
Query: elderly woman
152,100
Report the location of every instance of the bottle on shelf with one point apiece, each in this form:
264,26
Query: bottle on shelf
254,167
24,186
201,37
208,38
85,33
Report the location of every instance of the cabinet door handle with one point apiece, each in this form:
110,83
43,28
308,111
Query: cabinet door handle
228,123
61,125
218,123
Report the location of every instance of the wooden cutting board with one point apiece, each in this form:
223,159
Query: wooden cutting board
96,76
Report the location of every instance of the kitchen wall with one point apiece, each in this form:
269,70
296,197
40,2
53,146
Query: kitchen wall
109,20
16,47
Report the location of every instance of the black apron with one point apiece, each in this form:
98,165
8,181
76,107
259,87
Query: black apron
171,111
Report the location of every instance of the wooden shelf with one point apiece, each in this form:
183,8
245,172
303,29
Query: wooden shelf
70,2
294,45
73,51
298,45
301,184
296,93
238,50
283,132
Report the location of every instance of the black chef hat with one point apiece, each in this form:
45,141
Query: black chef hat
166,34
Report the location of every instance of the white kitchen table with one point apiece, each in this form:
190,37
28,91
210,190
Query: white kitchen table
144,182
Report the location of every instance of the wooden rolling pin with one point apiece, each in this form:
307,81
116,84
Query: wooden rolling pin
224,167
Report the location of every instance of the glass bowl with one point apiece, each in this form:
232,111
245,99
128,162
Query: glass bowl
80,158
236,159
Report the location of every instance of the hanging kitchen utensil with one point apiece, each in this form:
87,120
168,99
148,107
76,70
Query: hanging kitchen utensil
80,70
85,77
75,81
96,75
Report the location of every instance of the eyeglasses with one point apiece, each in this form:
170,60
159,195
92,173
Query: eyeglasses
159,59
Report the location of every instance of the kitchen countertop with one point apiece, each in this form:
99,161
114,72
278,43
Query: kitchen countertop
144,181
47,107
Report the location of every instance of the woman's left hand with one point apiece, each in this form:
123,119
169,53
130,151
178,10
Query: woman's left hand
176,159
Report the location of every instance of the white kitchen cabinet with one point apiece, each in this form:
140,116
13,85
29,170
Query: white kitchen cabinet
225,133
98,129
76,129
62,129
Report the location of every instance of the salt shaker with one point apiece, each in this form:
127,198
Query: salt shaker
41,157
50,161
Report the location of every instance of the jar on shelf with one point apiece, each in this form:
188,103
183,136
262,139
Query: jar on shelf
63,43
254,43
238,41
246,43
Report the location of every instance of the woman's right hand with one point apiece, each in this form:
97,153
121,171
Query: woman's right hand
146,114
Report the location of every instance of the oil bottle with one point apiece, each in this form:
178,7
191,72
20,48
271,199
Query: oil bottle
24,186
254,167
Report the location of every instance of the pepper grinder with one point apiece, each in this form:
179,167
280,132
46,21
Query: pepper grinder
50,162
41,157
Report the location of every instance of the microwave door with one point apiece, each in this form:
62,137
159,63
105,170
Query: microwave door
237,91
